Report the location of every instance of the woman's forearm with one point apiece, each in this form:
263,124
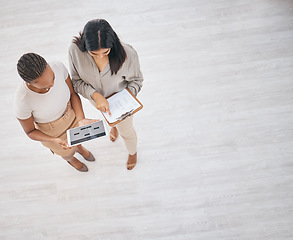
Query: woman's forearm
37,135
77,106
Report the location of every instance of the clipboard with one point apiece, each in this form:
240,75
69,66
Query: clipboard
122,105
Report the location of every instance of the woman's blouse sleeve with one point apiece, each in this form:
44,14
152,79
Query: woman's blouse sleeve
86,90
135,77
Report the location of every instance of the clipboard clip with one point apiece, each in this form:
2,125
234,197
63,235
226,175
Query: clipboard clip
125,115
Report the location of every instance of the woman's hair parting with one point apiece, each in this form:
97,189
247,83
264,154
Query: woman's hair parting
99,34
31,66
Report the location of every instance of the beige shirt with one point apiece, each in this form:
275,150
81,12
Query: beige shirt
87,78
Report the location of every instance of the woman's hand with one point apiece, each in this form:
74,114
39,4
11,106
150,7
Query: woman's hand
62,143
86,121
102,103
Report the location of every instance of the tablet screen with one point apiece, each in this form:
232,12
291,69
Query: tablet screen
85,133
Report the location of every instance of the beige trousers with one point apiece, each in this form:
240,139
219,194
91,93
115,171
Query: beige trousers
58,129
128,133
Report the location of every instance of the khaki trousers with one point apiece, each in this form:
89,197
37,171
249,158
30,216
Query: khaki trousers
58,129
128,133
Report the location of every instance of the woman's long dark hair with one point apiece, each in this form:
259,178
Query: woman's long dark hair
99,34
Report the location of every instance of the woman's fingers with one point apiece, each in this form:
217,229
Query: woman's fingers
101,108
65,145
108,111
87,121
102,104
104,108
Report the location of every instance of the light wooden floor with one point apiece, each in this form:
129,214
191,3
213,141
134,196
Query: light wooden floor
215,135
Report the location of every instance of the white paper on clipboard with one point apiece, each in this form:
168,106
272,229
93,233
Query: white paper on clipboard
120,104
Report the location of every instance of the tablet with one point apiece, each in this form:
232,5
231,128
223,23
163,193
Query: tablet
85,133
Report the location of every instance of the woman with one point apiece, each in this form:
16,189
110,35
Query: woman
101,65
46,106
